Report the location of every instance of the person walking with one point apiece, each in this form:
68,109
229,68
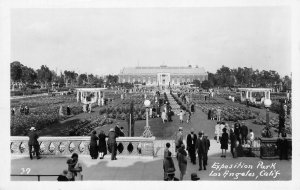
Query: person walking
102,144
182,161
181,116
201,147
233,143
218,112
237,131
244,133
68,110
179,139
218,132
209,116
188,117
191,146
193,108
168,164
224,142
112,143
93,145
163,116
33,143
207,145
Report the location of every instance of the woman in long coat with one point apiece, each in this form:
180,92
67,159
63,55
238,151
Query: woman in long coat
224,142
94,146
182,161
102,144
168,164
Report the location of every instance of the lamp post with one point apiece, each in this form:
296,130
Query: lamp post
267,104
147,132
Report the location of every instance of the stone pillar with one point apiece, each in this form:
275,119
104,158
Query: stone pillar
242,96
266,95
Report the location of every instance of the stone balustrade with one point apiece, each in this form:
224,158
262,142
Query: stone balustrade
270,148
66,146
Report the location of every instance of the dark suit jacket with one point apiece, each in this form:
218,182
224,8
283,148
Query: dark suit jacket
244,130
237,130
33,136
191,143
94,140
202,146
111,137
118,131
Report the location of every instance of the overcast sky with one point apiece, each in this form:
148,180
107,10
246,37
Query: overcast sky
103,41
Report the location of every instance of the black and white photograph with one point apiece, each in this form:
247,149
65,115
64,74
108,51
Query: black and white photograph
150,92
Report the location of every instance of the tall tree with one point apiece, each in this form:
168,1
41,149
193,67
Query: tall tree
82,79
29,75
44,75
15,71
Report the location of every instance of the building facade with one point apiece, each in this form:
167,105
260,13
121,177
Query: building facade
162,75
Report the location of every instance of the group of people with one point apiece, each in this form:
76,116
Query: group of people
167,113
181,115
24,110
99,146
61,112
214,114
169,166
195,144
238,136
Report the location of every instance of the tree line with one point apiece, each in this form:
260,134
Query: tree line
224,77
245,77
44,77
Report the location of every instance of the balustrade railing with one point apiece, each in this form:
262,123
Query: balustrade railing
65,146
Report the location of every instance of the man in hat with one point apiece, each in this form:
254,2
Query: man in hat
237,131
33,142
244,133
191,145
179,139
112,143
194,177
207,145
202,148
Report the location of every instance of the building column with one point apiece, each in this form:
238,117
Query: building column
241,95
265,95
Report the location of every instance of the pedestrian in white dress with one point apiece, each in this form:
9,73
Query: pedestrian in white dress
181,116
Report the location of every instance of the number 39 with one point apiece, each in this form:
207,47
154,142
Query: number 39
25,171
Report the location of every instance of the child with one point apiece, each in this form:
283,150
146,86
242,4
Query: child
189,117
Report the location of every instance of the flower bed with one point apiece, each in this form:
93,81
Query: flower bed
120,108
230,113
